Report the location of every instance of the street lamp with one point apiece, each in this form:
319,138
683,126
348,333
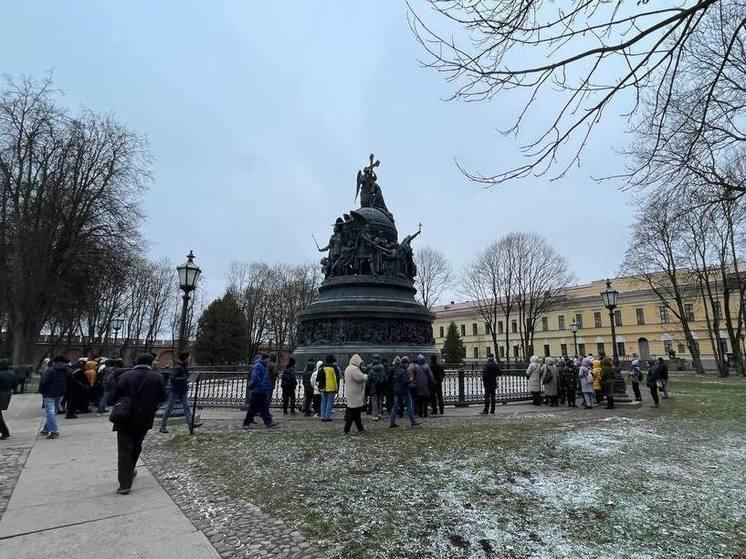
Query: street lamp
188,274
574,329
116,325
610,297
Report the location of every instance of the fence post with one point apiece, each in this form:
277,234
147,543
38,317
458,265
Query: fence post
194,403
461,403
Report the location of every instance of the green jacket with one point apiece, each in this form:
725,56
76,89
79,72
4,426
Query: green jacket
607,376
7,384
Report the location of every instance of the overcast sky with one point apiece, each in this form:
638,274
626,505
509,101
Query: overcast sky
259,115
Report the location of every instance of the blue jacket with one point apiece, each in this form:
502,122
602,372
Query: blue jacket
401,380
259,378
54,380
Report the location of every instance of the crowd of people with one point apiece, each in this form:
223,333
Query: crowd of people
560,381
414,387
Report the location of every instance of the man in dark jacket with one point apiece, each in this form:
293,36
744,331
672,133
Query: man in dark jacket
308,388
489,379
288,384
7,384
52,387
436,396
401,381
378,388
179,393
145,389
261,392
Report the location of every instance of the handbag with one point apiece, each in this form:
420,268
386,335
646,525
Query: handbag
121,411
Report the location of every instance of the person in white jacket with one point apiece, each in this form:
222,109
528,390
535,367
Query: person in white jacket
355,381
316,391
533,374
585,374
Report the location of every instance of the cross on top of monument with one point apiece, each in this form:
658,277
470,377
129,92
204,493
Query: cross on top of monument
369,168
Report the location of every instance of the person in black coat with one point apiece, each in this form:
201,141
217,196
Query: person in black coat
288,383
146,390
436,395
308,388
489,379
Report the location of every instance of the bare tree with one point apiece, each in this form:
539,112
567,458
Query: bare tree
250,284
69,182
434,275
583,56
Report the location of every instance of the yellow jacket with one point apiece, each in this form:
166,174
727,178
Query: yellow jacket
596,374
330,378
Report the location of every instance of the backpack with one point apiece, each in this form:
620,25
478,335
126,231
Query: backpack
548,375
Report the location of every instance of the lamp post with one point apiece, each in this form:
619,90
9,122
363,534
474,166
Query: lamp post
574,330
116,325
188,274
610,297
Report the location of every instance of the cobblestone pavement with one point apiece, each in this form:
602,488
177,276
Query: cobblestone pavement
235,528
11,464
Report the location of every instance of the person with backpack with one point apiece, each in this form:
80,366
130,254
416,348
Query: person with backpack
138,394
327,380
436,394
653,373
490,372
288,384
110,373
550,381
401,383
635,376
378,388
355,381
308,388
533,374
261,392
585,375
663,377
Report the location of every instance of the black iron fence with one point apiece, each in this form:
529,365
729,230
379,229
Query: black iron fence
228,388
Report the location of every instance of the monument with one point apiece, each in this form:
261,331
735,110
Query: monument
366,302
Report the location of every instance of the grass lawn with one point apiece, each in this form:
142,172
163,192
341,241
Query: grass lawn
637,483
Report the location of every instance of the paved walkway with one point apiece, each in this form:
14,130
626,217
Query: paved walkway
65,502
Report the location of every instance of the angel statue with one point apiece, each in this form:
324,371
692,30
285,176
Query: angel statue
368,190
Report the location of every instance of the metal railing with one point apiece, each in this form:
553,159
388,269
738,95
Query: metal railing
461,387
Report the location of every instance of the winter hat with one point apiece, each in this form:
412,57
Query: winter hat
144,359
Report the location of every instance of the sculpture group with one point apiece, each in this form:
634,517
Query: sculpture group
357,247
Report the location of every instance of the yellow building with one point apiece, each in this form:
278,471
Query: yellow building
644,327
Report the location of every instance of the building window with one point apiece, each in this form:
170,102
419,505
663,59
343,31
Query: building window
489,351
546,350
617,318
667,347
500,327
600,348
514,326
579,320
442,333
474,329
581,349
463,330
515,351
682,348
563,349
476,353
544,324
502,351
597,319
487,328
717,312
561,322
640,316
689,311
620,349
664,313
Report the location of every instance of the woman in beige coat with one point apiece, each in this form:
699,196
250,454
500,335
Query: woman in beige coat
355,381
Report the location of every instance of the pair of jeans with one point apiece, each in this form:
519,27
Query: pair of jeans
327,404
129,446
50,409
376,403
104,401
259,404
436,399
174,397
636,390
352,415
288,397
406,400
654,392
